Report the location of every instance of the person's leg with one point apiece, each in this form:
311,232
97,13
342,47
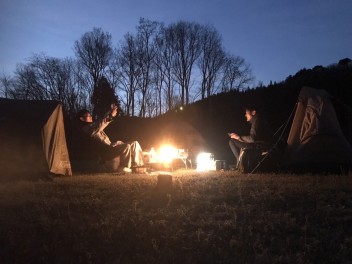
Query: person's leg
235,150
124,151
137,154
236,146
125,155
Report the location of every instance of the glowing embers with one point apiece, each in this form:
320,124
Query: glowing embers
205,162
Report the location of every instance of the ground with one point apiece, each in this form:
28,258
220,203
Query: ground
214,217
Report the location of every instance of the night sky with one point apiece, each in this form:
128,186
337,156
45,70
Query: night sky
276,37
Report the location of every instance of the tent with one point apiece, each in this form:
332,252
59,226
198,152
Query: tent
32,139
316,141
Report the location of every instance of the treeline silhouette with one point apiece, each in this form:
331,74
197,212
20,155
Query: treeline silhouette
148,72
203,125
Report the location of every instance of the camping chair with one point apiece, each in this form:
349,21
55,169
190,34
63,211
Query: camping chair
250,157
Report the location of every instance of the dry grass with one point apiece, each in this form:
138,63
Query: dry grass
218,217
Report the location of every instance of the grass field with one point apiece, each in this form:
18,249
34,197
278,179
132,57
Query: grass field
217,217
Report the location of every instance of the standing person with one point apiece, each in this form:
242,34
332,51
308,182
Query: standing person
260,132
131,154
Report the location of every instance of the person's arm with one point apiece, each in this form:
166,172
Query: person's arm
97,126
101,124
247,139
96,129
234,136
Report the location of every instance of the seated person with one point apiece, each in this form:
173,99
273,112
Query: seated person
260,133
131,154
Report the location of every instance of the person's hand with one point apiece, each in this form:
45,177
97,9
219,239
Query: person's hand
234,136
119,142
114,110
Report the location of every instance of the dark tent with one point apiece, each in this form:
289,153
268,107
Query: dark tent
316,140
32,139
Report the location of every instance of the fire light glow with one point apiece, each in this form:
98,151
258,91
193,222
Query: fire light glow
166,154
205,162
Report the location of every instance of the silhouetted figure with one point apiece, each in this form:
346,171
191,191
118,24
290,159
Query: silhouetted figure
131,154
260,133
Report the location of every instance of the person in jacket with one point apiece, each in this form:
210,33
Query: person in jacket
131,154
259,133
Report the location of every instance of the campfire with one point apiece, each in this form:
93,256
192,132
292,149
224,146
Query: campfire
168,157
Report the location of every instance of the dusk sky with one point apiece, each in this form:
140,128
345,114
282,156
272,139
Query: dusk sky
276,37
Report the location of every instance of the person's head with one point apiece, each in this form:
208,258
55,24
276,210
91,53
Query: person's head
84,115
250,112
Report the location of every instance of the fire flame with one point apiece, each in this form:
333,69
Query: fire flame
167,153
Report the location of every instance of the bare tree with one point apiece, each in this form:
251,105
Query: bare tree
236,74
158,80
77,91
147,32
151,102
152,71
126,57
48,78
83,83
164,79
185,41
50,75
6,86
211,60
113,72
58,79
26,84
94,51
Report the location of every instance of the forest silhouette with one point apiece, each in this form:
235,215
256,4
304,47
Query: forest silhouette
203,125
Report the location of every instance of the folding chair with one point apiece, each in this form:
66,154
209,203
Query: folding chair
249,158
